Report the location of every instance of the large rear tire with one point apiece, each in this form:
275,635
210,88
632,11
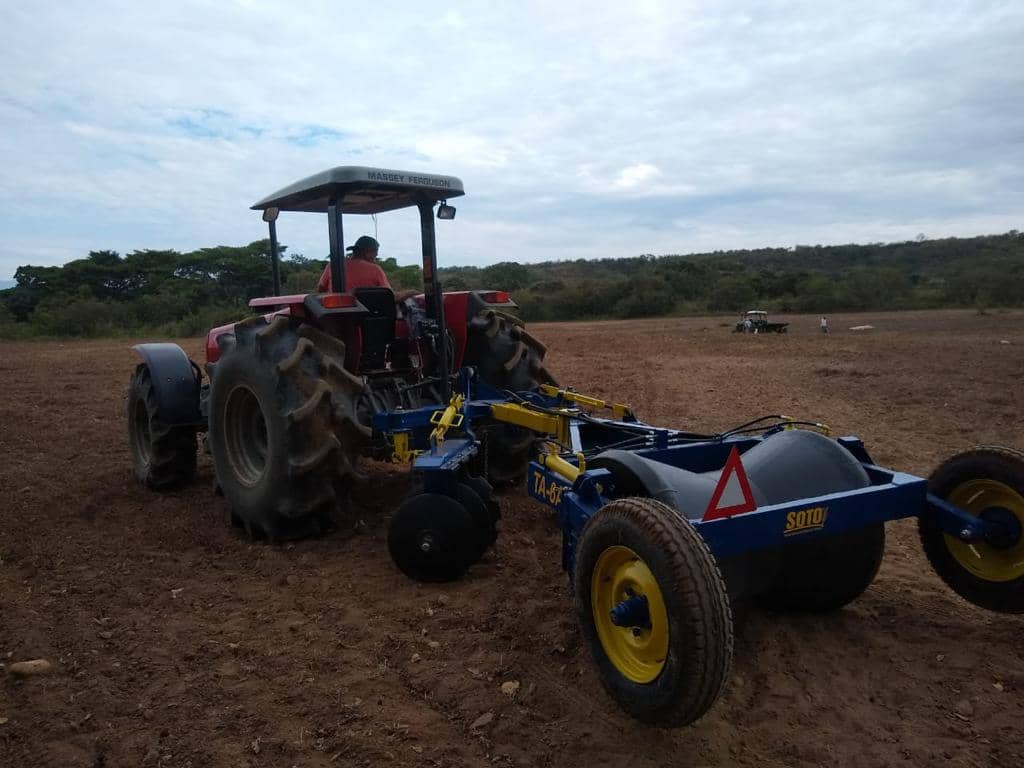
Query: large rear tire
653,607
163,457
282,427
987,482
506,356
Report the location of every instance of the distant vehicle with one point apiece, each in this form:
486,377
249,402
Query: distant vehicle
756,321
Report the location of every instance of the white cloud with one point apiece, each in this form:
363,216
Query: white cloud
579,129
635,175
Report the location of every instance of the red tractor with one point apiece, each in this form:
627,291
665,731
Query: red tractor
291,394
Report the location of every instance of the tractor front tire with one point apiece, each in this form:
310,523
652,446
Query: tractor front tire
506,356
988,482
826,573
163,457
282,427
653,608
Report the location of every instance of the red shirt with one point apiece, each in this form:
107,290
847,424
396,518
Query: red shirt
359,273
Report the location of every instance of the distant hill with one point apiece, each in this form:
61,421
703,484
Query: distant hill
919,274
183,294
5,284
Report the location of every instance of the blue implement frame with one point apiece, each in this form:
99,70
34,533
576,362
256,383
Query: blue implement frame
577,495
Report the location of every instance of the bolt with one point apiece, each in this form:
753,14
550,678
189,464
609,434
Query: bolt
966,534
427,544
636,631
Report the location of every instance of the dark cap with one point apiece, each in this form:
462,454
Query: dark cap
365,242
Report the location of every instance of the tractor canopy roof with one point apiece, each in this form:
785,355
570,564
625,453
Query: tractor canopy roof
756,312
359,189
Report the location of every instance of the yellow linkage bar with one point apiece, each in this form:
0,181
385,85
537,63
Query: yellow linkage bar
560,466
619,411
536,421
446,419
401,452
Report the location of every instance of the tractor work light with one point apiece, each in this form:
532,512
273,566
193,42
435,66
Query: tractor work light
445,211
337,301
270,214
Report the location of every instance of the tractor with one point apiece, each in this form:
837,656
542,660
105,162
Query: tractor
291,392
756,321
663,530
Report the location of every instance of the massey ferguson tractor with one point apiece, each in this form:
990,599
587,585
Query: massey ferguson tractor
291,392
663,530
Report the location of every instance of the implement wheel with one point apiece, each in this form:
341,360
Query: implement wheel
652,606
826,573
988,482
163,457
433,537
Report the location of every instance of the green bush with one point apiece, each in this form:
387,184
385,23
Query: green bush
184,294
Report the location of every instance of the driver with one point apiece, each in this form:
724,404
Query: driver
361,268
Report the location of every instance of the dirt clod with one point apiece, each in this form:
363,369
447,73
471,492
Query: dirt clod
484,720
30,668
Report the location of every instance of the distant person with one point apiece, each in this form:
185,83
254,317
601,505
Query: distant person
361,268
824,324
748,325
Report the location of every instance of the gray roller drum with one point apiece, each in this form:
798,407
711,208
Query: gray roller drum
817,573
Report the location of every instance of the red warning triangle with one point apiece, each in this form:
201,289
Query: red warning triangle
732,496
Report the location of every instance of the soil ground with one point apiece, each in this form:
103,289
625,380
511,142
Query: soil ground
177,642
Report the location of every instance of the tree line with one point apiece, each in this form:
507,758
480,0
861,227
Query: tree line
184,294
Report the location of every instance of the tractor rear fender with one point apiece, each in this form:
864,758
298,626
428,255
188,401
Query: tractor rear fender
176,381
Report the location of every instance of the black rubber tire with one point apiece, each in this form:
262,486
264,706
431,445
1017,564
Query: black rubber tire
504,353
282,428
825,573
163,457
453,535
992,462
505,453
506,356
700,619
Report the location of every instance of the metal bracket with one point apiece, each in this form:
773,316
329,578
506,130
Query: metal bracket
957,522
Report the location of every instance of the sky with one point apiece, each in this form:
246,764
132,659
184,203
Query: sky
580,130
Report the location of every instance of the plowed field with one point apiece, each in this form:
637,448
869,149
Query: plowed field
177,642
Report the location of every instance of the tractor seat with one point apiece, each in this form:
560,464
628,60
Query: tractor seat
378,327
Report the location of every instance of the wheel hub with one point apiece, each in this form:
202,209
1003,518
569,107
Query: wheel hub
999,556
245,434
632,613
629,614
1002,527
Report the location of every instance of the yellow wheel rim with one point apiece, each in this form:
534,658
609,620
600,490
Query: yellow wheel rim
979,557
638,653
